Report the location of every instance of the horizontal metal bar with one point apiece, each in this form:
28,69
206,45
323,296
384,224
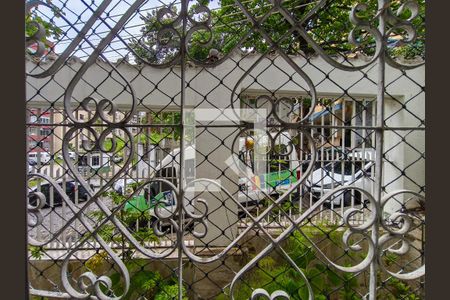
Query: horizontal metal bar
289,126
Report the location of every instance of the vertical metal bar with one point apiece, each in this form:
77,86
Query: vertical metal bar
365,136
100,162
312,130
354,116
63,183
76,162
89,153
352,147
379,146
333,121
149,158
301,158
344,149
52,175
184,10
322,165
76,195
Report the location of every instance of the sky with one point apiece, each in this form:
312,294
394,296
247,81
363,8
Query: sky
77,12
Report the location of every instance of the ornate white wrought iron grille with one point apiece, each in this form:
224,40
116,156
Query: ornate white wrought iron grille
234,149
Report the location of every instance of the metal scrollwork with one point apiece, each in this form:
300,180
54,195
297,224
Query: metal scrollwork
62,58
398,225
35,210
175,31
261,293
91,284
397,23
36,39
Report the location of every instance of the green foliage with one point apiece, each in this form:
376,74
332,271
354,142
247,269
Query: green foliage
146,283
350,282
145,234
279,210
34,182
127,217
410,51
396,289
38,298
96,261
51,30
115,197
145,47
275,273
119,147
170,292
143,282
36,252
329,27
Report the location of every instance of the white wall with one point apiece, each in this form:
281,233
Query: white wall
205,90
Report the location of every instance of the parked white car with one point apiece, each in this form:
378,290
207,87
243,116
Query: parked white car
355,170
124,186
44,157
72,155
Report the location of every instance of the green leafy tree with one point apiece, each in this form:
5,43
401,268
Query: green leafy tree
52,31
147,47
328,27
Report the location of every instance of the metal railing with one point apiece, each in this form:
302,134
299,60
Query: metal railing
233,150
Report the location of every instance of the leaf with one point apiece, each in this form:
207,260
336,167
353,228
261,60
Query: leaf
303,293
316,279
334,278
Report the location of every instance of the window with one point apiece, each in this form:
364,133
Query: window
44,120
33,131
82,162
45,131
95,161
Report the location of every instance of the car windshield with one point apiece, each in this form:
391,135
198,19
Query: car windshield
157,187
344,167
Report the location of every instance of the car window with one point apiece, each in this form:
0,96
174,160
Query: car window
69,187
45,188
157,187
168,173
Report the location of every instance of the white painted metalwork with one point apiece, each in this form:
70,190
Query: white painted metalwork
129,157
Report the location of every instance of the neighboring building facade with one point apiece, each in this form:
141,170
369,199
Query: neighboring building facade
39,135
